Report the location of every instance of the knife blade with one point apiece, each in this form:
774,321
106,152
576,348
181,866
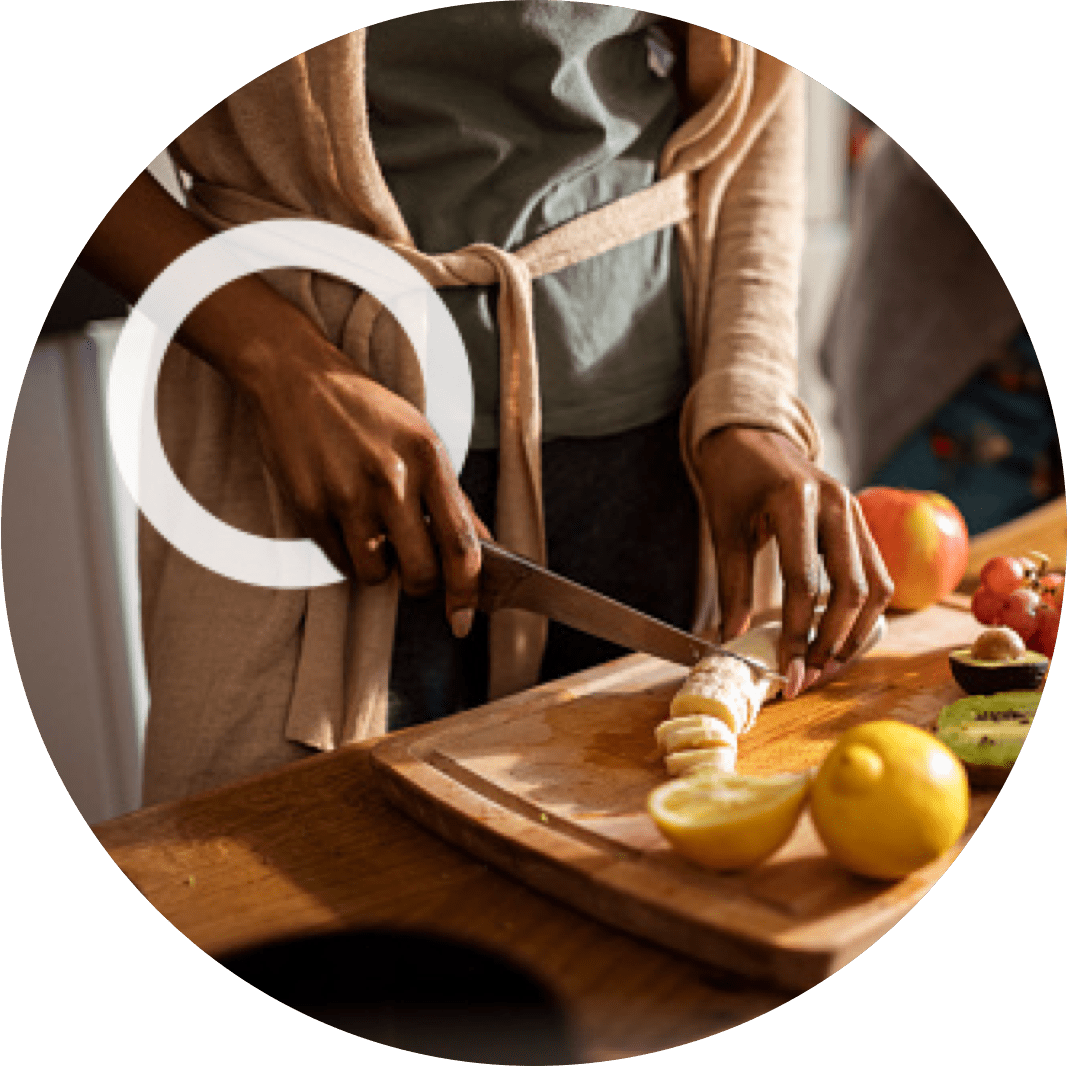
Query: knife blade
509,580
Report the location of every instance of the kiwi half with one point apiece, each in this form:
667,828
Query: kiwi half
987,732
982,677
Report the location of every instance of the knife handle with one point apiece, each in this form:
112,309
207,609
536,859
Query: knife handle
501,579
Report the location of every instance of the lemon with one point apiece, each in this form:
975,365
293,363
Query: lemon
888,799
728,821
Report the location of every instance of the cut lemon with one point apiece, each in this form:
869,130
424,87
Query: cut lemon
728,821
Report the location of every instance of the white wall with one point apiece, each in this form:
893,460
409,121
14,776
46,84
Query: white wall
70,570
61,580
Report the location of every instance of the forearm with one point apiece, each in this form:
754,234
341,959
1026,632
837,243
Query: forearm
749,370
236,329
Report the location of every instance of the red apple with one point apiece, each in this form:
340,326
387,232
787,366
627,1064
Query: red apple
923,541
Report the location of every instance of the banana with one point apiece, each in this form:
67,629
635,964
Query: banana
721,699
722,758
697,731
718,701
717,687
728,689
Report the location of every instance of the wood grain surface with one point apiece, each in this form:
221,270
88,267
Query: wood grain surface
316,847
551,787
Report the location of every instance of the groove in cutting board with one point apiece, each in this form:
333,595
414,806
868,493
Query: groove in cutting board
550,786
449,767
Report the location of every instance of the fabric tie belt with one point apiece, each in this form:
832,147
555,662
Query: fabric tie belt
689,192
517,638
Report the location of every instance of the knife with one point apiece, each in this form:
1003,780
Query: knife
509,580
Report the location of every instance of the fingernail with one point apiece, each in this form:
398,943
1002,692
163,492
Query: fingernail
831,668
461,622
812,675
795,677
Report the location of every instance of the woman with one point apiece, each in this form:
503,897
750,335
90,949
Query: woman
542,155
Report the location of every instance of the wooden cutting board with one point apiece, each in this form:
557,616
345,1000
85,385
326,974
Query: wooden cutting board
550,786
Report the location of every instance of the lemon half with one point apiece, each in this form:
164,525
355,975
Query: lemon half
728,821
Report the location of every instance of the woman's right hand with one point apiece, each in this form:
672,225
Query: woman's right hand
368,478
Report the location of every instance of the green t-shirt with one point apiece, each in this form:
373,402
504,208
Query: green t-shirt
499,122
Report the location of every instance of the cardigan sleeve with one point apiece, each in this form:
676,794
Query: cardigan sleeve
748,369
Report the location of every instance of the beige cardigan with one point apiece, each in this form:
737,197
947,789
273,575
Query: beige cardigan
237,673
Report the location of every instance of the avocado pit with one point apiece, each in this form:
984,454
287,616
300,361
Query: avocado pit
998,661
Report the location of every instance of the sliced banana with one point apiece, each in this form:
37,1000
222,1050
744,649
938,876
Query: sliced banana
717,687
696,731
729,689
719,700
724,758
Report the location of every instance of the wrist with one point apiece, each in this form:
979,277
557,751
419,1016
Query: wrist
736,434
256,338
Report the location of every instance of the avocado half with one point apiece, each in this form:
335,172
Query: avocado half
987,732
982,677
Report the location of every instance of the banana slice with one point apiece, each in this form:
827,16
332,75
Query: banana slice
721,699
696,731
719,688
730,690
723,758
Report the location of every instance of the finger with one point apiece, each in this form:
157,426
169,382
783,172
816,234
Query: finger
392,485
312,517
480,527
368,548
734,571
411,542
327,535
845,568
880,588
455,532
793,512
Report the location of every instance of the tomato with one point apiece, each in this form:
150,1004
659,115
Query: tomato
1044,637
1002,574
1021,612
1052,589
987,606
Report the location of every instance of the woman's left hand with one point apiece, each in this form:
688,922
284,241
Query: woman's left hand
757,485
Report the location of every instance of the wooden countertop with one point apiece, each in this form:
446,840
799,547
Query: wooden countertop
314,847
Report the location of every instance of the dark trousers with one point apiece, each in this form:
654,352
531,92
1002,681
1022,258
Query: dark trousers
620,517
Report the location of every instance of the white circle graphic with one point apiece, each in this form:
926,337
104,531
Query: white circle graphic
195,275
